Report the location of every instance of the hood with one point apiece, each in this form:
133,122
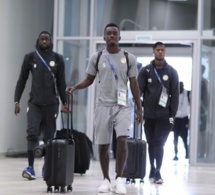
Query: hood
47,52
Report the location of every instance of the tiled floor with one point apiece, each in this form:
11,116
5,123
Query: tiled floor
179,179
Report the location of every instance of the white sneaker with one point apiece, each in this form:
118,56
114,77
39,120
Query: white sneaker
119,186
105,186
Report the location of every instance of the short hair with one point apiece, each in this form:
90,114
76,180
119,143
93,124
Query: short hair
156,44
111,25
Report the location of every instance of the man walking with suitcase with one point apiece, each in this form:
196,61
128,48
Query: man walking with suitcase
159,86
112,107
48,80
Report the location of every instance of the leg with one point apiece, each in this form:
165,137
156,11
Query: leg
149,132
162,130
176,135
34,117
122,153
103,133
50,113
33,130
104,160
184,134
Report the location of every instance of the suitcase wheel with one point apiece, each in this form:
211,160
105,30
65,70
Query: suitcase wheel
133,181
62,189
127,180
56,188
141,181
49,189
69,188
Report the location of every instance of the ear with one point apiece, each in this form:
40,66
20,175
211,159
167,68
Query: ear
104,38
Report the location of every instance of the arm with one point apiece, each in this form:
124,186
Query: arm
20,85
61,82
141,79
136,95
85,83
174,94
60,78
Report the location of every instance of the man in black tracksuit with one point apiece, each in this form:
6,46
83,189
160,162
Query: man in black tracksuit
159,86
48,83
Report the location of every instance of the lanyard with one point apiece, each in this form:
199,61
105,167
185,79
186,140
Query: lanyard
157,75
111,65
45,63
47,66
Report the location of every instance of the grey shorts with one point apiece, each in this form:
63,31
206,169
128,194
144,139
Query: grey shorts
108,118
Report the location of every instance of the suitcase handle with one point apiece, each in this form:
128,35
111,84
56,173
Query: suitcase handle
134,125
69,116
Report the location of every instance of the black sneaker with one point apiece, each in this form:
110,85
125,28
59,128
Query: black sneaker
158,179
152,175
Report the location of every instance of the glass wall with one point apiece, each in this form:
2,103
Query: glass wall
206,133
76,56
209,15
79,24
146,14
73,17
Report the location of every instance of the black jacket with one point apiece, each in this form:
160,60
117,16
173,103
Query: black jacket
150,88
43,86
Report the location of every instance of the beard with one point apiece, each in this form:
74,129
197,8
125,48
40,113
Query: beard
160,59
44,47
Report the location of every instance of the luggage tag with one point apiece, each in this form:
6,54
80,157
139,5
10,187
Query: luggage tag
163,98
121,97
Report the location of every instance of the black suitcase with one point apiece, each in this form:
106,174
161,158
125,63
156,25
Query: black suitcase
59,162
135,166
83,148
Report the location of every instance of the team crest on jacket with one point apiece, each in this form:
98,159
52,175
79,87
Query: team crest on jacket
165,77
123,60
52,63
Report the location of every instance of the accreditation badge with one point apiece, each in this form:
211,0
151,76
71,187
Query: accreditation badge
121,97
123,60
163,97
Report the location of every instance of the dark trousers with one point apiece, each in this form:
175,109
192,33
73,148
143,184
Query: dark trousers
156,131
40,119
180,128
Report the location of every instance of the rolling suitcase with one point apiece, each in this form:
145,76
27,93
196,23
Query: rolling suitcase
135,166
83,148
59,161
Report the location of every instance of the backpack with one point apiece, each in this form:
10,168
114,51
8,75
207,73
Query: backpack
100,53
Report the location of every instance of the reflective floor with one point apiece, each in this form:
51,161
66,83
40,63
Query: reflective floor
179,179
